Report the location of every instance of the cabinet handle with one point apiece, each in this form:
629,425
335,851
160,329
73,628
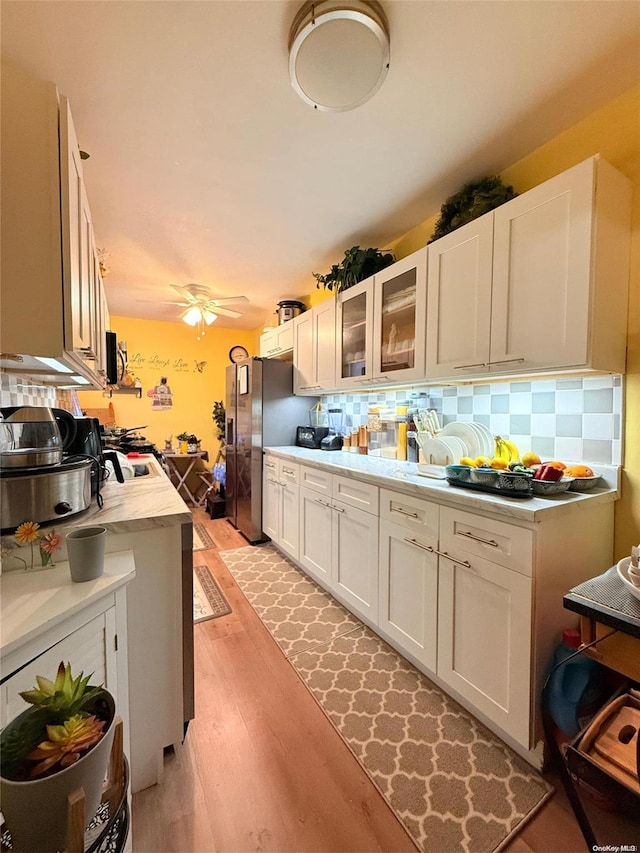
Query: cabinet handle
324,503
306,387
491,542
467,366
271,480
506,360
404,512
288,470
337,508
464,563
424,547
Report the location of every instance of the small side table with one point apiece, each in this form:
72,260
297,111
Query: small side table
179,474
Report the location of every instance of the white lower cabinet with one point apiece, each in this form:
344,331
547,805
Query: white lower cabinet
280,500
339,540
408,606
484,639
474,600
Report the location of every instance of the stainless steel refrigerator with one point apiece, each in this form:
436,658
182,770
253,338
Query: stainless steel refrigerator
261,411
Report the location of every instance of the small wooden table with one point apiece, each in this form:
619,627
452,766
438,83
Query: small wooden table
179,473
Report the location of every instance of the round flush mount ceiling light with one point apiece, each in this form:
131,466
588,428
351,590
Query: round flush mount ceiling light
338,53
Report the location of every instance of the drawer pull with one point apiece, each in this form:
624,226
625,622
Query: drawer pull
324,503
507,361
467,366
464,563
271,480
491,542
337,508
404,512
424,547
288,470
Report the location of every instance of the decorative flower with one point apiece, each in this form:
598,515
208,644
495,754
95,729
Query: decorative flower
51,542
27,533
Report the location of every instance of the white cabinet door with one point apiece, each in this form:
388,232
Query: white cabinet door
267,342
484,639
316,519
89,649
324,344
277,340
355,558
303,361
459,300
541,271
399,319
408,587
289,519
271,503
354,329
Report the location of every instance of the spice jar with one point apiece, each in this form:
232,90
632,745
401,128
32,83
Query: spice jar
363,441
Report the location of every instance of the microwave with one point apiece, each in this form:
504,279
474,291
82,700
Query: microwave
310,436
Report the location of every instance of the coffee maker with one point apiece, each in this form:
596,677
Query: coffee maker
87,441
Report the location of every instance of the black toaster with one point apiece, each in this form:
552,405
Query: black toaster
310,436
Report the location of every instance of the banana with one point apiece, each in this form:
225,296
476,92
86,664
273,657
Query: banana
506,450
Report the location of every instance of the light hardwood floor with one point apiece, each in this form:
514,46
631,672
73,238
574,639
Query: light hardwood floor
262,769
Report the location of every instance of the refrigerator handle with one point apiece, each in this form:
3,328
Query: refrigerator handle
229,438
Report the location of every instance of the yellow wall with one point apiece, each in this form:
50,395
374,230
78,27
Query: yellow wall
170,349
614,132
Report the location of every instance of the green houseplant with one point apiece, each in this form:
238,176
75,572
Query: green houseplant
356,265
473,200
219,416
59,744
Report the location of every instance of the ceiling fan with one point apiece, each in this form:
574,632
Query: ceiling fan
198,297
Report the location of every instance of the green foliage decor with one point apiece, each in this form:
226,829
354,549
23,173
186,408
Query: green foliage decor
356,265
219,416
472,201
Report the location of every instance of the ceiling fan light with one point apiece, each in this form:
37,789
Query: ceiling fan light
208,316
192,316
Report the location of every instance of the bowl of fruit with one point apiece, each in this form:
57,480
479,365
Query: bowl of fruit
583,478
550,479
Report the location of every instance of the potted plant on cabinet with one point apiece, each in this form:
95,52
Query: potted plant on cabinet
58,745
356,265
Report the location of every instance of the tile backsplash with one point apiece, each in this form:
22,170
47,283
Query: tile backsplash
574,419
16,391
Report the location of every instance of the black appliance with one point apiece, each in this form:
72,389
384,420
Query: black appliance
311,436
261,411
86,441
331,442
111,352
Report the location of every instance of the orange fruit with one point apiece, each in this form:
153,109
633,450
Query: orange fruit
559,465
578,471
498,464
482,461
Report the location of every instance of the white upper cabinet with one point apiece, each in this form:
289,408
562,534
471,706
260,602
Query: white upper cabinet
540,284
381,326
48,250
314,349
277,341
399,319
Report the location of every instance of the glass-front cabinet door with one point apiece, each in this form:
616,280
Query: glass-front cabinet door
400,319
354,327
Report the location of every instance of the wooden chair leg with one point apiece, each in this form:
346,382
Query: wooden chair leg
75,822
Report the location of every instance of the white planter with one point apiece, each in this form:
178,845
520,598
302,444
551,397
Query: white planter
35,812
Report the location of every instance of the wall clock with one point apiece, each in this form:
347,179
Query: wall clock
237,353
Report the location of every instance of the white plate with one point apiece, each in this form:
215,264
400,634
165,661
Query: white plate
466,434
487,439
437,452
458,447
623,574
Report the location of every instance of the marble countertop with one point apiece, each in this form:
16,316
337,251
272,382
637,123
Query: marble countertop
140,503
32,602
404,477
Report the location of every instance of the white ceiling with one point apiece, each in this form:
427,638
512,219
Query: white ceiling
206,166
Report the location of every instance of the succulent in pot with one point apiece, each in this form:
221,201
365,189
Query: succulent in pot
58,745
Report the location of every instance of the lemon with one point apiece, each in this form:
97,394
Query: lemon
498,464
530,458
467,460
482,461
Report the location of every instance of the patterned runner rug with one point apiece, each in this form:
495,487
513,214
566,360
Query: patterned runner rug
208,600
201,538
453,784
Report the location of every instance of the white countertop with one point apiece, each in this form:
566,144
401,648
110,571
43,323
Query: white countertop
403,477
32,602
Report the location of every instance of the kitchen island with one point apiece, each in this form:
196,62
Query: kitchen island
467,585
145,515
